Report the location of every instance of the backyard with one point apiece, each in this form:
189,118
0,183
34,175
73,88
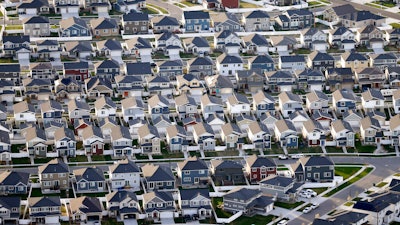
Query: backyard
217,205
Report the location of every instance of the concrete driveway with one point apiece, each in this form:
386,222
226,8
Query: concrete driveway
130,222
167,221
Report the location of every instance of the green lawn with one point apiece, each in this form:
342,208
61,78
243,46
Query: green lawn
79,158
364,148
287,205
140,156
313,3
346,172
164,11
188,3
42,160
149,11
167,154
16,148
101,158
217,205
8,60
248,5
363,49
255,220
14,27
385,3
325,1
21,161
319,190
381,184
349,204
332,149
395,25
350,182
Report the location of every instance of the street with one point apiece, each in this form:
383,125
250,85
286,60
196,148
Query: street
367,8
173,10
384,167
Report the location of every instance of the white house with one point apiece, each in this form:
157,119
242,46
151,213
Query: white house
24,112
124,174
289,103
372,99
132,108
317,100
342,133
286,134
228,64
238,104
313,133
121,141
105,107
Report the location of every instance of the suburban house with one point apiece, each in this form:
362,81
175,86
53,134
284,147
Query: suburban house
263,103
257,168
14,182
124,174
226,172
46,209
343,100
282,188
176,138
65,143
317,101
256,20
228,64
211,105
314,133
370,131
102,27
238,104
89,180
54,176
74,27
196,21
158,177
342,133
250,80
286,134
289,103
93,140
162,24
86,209
36,142
263,62
314,169
259,135
135,23
196,45
36,26
320,61
193,172
159,204
204,136
149,139
123,204
248,201
195,202
372,99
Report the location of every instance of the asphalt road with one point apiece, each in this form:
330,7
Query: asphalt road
173,10
384,167
368,8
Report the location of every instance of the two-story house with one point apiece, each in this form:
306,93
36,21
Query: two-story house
45,209
159,204
196,21
158,177
257,168
123,204
54,176
262,103
286,134
314,168
89,180
193,172
135,23
248,201
195,202
342,133
343,100
65,143
256,20
149,139
226,172
289,103
124,174
314,133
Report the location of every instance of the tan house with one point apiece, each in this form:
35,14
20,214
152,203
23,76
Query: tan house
54,176
104,27
353,60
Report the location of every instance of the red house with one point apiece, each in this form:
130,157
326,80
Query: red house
258,168
78,71
230,3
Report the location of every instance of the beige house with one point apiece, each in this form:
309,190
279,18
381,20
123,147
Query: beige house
353,60
54,176
104,27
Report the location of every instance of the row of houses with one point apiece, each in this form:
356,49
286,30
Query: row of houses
158,201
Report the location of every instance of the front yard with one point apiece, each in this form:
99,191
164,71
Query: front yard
350,182
255,220
248,5
101,158
21,161
346,172
287,205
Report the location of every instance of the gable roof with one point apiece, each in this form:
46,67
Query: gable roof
192,163
257,14
54,166
229,59
12,178
86,205
153,172
241,193
257,161
188,15
189,194
124,166
136,16
66,23
261,96
103,23
165,21
316,161
63,132
344,9
89,174
45,201
277,181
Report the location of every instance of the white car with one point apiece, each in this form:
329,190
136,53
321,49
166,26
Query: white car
282,222
297,156
282,157
311,192
314,205
304,194
307,210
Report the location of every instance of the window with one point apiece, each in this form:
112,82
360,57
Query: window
201,171
327,174
186,172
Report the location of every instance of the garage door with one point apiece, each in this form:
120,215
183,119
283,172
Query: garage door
166,215
52,220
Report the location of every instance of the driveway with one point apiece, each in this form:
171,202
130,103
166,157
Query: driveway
173,10
167,221
130,222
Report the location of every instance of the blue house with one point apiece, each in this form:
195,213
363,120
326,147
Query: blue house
195,21
158,177
263,62
193,173
90,180
314,168
12,182
51,111
158,106
344,100
176,138
107,69
263,103
74,27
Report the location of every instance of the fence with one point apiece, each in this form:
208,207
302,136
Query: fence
228,220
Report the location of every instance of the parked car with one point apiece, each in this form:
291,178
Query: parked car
307,210
311,192
283,222
283,157
314,205
296,156
304,194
